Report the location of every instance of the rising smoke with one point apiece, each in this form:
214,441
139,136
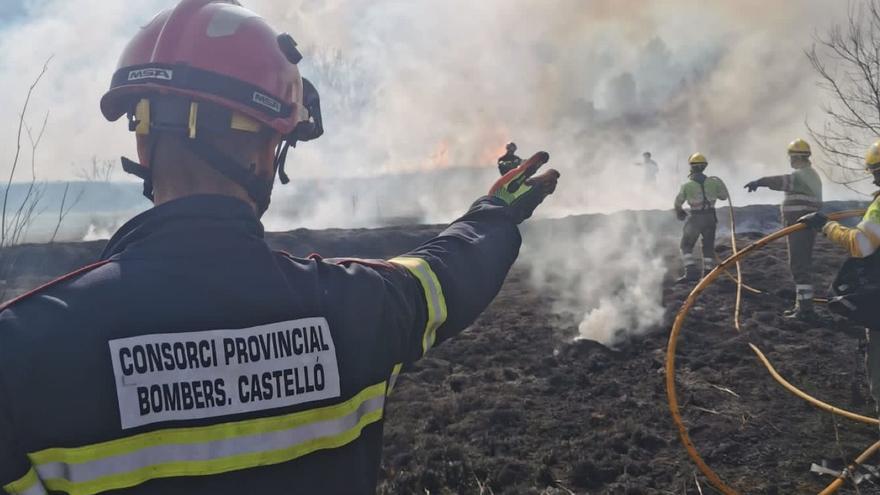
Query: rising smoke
422,96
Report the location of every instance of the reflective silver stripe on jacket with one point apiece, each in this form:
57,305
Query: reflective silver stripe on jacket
29,484
162,454
207,450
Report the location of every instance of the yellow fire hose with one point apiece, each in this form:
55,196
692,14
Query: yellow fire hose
833,487
734,259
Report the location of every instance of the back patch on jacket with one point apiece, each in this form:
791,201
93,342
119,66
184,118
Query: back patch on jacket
197,375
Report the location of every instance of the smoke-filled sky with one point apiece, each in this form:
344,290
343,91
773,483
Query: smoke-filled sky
410,86
421,97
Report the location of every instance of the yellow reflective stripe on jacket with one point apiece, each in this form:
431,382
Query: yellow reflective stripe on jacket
433,295
395,372
29,484
207,450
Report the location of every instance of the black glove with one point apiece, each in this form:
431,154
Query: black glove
815,221
521,192
681,214
753,186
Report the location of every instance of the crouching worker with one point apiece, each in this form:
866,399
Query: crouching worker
700,193
192,358
856,289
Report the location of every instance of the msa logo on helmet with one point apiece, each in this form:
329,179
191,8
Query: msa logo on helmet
267,101
140,74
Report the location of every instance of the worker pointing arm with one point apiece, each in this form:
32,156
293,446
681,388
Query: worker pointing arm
803,195
459,272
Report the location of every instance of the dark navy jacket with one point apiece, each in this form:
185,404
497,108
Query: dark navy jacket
194,359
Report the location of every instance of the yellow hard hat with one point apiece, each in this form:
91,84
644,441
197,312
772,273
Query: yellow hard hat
698,159
872,158
799,147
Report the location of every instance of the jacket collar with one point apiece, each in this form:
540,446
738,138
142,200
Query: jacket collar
184,217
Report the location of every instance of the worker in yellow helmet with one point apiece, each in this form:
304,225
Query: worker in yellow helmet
700,193
803,195
857,286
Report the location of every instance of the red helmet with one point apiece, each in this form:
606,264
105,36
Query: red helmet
214,65
215,51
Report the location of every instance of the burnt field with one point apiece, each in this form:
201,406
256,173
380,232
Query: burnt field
515,405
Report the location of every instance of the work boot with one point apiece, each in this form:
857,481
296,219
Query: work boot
803,305
708,265
802,311
691,274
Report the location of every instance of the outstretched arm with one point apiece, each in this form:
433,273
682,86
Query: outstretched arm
774,182
458,273
861,241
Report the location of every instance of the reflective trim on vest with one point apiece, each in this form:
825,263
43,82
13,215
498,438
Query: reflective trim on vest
871,229
29,484
208,450
701,205
433,296
867,238
792,197
787,182
799,207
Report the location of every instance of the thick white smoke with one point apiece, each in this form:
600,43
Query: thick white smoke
414,86
421,97
605,272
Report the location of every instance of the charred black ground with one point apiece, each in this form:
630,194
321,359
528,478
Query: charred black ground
514,405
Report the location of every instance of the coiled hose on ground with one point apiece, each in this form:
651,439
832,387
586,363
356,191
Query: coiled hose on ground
708,280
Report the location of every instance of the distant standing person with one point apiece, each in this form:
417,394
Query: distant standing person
509,161
803,195
700,193
651,168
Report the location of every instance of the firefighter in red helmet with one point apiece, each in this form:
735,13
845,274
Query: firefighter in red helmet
192,358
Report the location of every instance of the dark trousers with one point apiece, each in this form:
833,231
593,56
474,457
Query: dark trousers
700,224
872,363
800,250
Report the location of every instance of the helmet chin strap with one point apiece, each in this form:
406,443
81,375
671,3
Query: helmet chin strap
144,173
281,160
259,189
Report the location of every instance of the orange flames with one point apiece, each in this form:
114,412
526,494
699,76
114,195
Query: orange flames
440,157
482,149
